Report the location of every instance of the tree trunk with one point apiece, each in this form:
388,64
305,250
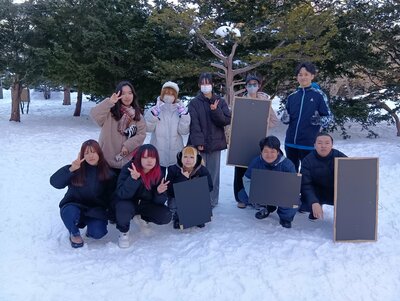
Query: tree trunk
78,106
67,96
15,100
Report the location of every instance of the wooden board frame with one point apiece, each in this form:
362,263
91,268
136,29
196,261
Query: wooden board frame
352,190
275,188
250,118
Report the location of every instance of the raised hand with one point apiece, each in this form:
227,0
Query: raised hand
134,173
115,97
214,105
163,186
124,151
76,164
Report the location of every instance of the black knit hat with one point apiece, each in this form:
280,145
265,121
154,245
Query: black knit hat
250,77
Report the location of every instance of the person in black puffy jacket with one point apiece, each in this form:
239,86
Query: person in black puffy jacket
188,166
317,169
90,184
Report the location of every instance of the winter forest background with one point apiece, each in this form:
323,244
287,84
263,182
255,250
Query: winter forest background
76,51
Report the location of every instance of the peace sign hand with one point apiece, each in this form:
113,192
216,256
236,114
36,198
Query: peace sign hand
163,186
134,173
76,164
115,97
214,105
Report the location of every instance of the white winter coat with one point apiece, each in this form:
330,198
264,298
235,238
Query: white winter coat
167,130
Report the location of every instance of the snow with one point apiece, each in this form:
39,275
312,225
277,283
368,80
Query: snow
223,31
235,257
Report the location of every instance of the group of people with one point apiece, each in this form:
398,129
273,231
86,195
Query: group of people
119,177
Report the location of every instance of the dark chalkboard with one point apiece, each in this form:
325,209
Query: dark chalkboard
193,202
275,188
356,199
248,126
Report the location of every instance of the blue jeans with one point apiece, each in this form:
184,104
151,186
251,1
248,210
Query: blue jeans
73,219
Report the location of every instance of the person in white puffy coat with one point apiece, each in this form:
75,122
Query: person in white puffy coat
168,121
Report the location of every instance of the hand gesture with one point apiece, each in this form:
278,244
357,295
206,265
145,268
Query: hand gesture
156,110
200,147
115,97
214,105
134,173
76,164
185,173
163,186
181,110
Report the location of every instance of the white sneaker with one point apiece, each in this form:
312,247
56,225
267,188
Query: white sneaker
123,240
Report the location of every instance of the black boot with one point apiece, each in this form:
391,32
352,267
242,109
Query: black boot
175,221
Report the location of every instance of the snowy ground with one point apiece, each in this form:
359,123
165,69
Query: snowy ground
235,257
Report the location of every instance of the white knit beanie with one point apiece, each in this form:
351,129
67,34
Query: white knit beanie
171,85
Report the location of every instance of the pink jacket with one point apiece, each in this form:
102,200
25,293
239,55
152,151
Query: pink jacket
110,140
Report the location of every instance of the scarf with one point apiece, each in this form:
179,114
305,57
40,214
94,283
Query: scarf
128,113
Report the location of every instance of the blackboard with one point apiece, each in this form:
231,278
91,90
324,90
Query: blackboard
356,199
248,126
275,188
193,202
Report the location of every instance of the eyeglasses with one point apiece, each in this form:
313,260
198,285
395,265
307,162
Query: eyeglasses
252,85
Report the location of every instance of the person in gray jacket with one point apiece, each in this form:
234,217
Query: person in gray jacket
168,121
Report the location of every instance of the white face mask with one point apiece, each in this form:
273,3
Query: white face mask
205,89
252,90
169,98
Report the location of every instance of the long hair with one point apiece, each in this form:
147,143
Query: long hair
154,175
103,169
116,109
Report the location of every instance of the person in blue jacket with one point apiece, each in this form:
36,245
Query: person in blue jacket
318,170
90,183
307,110
271,158
188,166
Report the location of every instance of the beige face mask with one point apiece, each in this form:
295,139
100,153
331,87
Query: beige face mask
169,98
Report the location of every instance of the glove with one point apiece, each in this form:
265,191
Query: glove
156,110
316,119
130,131
181,110
285,117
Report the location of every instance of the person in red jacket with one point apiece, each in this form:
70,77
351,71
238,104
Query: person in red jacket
90,184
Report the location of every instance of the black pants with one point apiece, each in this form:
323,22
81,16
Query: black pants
150,212
296,155
238,181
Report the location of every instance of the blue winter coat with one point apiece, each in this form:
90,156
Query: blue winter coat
301,106
206,125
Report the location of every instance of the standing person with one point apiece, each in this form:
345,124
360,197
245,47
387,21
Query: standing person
271,158
253,84
306,111
317,182
141,190
122,126
188,166
209,115
90,184
168,121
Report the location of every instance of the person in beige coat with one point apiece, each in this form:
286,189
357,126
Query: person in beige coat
122,125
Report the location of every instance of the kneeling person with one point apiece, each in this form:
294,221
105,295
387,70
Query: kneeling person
271,158
317,169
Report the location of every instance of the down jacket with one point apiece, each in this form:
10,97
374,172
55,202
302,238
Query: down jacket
167,130
207,126
94,197
317,182
110,140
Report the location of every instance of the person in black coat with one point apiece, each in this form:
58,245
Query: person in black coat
317,169
90,184
209,115
141,190
189,166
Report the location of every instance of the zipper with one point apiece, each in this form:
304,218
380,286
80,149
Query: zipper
298,121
